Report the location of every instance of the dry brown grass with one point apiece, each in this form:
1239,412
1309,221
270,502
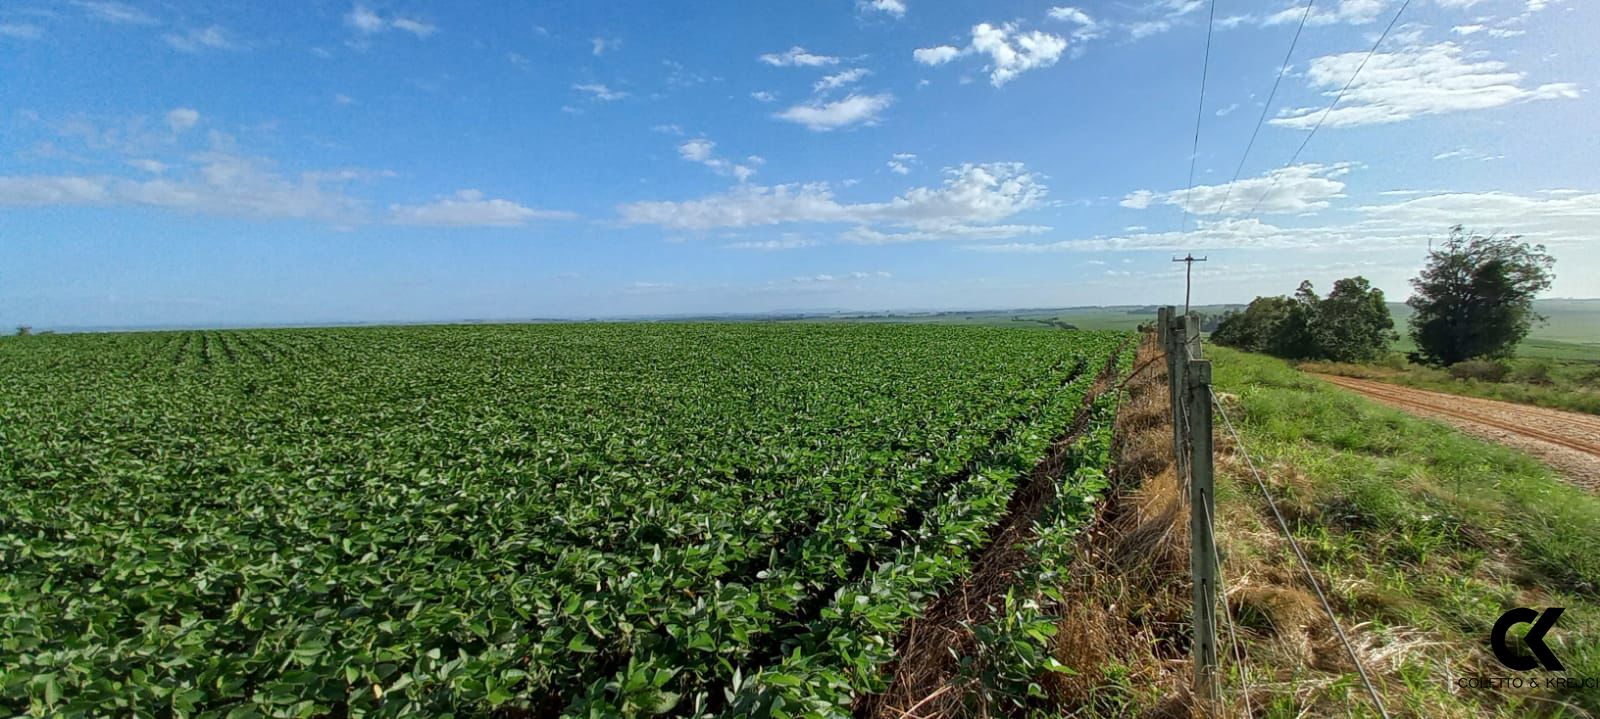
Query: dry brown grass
1124,627
1127,611
1126,616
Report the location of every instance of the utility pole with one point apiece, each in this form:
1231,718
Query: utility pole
1188,272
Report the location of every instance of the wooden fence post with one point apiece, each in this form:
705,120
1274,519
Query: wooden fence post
1175,367
1191,333
1202,505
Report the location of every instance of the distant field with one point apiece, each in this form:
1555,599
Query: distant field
1571,333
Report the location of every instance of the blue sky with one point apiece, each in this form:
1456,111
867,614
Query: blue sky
201,163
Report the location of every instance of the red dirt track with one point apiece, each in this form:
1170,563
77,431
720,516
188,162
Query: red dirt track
1567,441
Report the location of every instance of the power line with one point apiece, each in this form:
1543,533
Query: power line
1199,114
1278,175
1268,106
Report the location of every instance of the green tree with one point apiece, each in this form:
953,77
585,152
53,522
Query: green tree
1253,328
1475,297
1293,338
1353,323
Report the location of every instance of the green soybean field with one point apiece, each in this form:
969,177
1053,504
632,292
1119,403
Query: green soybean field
518,520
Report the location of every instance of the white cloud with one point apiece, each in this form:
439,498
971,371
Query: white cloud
415,27
1413,82
798,56
701,150
764,96
787,243
221,180
971,199
182,118
1144,29
869,236
599,45
901,162
1179,8
1070,14
645,288
1467,29
366,21
852,110
115,12
200,39
223,184
1467,154
1163,15
1297,189
153,167
20,30
1138,199
1352,12
1088,28
667,129
935,55
847,277
897,8
840,79
698,150
469,208
1010,51
601,92
1226,111
1560,217
35,191
1557,219
1207,235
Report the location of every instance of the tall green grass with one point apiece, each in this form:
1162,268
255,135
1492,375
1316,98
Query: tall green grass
1419,526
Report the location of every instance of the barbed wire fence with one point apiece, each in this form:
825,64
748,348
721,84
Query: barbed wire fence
1194,403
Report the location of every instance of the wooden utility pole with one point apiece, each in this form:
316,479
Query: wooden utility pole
1188,272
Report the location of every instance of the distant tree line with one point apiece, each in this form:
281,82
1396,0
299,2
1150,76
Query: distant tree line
1351,324
1473,300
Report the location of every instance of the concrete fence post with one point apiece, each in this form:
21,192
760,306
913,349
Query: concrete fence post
1202,518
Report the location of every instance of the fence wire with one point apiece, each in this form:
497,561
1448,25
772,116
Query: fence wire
1227,612
1305,565
1184,466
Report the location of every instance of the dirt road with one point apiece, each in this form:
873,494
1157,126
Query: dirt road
1567,441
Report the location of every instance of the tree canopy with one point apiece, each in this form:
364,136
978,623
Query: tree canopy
1474,299
1352,324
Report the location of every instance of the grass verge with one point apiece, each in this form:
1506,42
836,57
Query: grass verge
1421,537
1570,385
